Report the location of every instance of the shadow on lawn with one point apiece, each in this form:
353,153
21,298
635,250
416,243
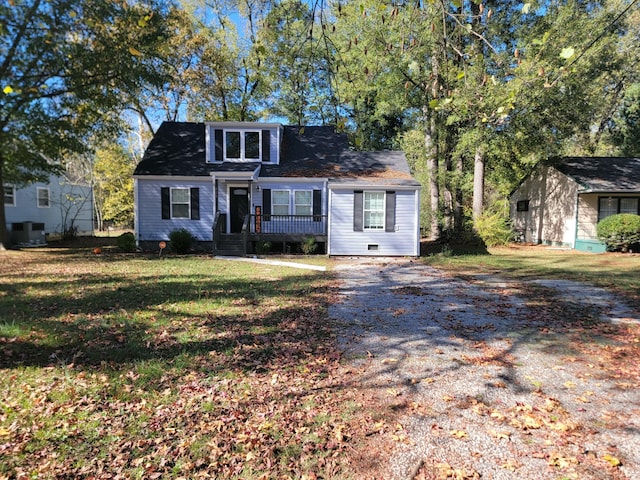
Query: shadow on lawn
115,319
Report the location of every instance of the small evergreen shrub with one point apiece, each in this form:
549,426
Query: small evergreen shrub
262,248
309,246
180,241
619,232
126,242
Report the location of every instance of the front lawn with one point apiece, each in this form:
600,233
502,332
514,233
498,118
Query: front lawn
133,366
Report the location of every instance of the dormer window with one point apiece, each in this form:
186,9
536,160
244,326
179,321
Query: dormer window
243,142
242,145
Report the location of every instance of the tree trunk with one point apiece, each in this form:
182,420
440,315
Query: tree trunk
478,184
432,168
459,200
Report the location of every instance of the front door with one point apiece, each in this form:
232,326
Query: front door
238,207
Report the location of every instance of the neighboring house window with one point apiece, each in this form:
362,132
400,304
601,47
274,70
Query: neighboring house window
43,197
180,202
608,206
522,206
242,145
9,196
373,210
303,202
280,202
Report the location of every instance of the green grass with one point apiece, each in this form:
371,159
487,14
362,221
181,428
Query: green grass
133,365
618,272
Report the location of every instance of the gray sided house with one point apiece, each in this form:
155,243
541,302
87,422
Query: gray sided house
42,209
236,186
561,203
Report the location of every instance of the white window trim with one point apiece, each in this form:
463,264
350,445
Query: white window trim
43,189
188,203
242,157
13,195
273,204
310,204
364,211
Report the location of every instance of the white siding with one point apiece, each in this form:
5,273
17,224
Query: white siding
291,186
343,240
149,220
61,209
551,218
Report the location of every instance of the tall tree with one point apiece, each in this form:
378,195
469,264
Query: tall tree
65,66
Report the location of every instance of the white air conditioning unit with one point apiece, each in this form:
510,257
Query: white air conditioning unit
28,233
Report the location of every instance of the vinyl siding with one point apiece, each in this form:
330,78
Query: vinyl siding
26,207
149,223
343,240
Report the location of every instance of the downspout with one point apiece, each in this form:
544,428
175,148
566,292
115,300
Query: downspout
575,237
328,190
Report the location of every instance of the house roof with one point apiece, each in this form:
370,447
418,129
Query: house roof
603,174
178,149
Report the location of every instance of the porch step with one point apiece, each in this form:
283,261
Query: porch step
230,245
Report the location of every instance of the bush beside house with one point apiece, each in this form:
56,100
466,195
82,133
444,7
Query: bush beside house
620,232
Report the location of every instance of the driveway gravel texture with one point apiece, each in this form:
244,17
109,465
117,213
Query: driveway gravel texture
483,381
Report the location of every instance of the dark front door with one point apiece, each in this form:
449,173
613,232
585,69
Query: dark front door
239,207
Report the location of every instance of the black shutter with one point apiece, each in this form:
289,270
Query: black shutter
266,204
317,205
195,204
358,210
219,142
266,145
165,195
390,212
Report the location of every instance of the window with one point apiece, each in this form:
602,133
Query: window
180,203
242,145
280,202
608,206
10,196
373,210
522,206
43,198
629,205
303,202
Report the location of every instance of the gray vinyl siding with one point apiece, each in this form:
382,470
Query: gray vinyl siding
150,224
25,208
343,240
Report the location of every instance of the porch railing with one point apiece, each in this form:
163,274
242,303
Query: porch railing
288,224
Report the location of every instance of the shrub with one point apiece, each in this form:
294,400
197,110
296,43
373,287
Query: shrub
126,242
180,241
309,246
262,248
620,231
493,228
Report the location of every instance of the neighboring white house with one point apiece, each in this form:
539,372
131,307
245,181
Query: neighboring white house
235,185
42,209
561,203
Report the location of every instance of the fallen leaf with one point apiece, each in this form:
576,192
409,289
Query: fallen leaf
613,461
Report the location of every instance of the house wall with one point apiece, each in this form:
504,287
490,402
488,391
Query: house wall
343,240
587,216
551,214
67,202
150,226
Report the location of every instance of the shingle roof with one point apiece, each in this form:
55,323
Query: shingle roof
178,149
603,174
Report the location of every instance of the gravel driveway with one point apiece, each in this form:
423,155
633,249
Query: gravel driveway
489,386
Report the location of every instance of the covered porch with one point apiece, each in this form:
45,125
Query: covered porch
259,231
